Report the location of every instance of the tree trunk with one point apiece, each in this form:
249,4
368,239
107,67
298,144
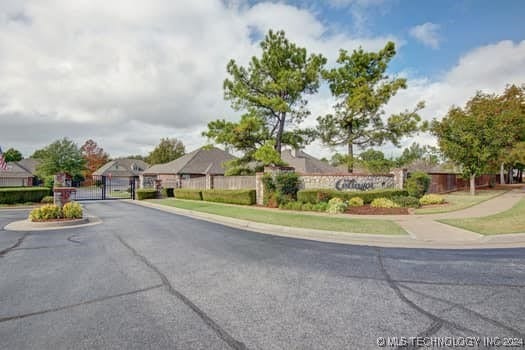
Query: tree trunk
511,180
502,174
350,165
279,136
473,184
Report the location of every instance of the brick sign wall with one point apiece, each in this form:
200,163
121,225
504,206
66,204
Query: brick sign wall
354,182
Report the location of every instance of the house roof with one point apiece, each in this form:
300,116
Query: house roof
122,167
29,164
201,161
14,170
305,163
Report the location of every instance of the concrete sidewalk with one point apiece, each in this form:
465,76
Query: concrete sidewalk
423,231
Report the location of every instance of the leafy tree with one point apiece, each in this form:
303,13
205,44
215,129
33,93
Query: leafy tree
136,156
267,155
166,151
362,89
515,157
339,159
271,91
418,153
94,156
375,161
12,155
511,105
39,154
473,136
62,156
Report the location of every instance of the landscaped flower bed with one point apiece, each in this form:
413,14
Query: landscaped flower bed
368,210
51,212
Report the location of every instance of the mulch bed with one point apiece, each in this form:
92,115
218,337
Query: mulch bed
55,220
368,210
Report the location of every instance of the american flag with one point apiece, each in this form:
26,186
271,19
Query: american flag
3,164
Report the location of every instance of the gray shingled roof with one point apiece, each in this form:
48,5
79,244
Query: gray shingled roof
305,163
30,164
201,161
14,170
122,167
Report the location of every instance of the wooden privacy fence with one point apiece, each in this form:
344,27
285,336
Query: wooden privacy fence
196,183
233,182
448,182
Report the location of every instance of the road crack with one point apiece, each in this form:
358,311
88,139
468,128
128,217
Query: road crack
515,332
60,308
437,322
14,246
221,332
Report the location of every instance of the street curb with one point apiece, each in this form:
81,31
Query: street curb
26,225
376,240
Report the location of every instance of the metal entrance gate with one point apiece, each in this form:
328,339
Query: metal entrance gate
105,187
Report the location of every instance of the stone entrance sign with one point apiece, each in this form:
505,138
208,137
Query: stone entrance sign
348,182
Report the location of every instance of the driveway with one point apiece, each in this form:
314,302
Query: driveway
146,279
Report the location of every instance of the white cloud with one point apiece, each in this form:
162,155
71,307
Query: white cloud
127,74
427,33
115,71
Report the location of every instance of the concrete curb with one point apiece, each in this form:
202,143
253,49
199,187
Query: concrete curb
26,225
392,241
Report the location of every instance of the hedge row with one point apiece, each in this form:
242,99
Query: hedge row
244,197
146,193
167,192
23,194
185,193
324,195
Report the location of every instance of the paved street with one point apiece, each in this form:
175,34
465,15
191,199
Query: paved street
146,279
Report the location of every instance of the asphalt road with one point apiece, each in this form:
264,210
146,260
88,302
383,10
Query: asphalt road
146,279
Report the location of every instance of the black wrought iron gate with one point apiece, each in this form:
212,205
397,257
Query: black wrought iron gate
105,187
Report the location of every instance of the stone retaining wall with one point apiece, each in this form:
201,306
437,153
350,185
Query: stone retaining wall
347,182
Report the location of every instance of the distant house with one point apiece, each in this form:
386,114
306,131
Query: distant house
120,170
21,173
198,163
307,164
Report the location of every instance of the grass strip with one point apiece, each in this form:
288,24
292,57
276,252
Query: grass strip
509,221
460,200
275,217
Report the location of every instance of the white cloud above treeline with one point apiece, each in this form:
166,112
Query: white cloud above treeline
128,73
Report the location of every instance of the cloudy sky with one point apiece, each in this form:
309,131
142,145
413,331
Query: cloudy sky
126,73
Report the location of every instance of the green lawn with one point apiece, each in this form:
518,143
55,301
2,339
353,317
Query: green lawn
510,221
459,200
288,219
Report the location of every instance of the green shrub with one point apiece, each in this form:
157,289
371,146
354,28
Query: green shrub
167,192
48,200
417,184
49,181
383,203
45,212
187,193
23,194
320,195
287,184
431,199
336,206
244,197
406,201
356,202
322,207
72,210
146,193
